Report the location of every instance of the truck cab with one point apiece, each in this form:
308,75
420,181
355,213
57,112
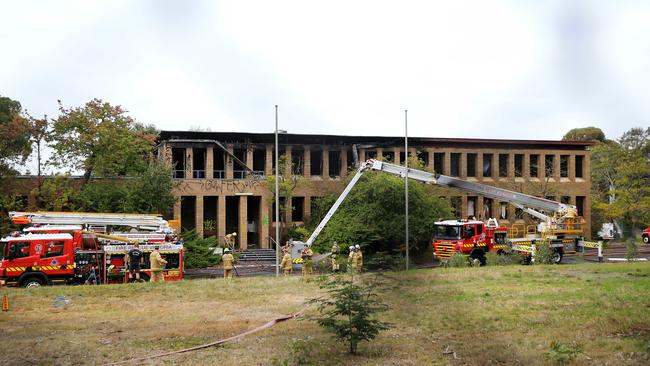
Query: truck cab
645,235
35,260
471,237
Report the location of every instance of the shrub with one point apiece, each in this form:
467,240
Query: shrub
544,253
457,260
199,253
563,353
631,249
505,258
349,310
299,233
386,261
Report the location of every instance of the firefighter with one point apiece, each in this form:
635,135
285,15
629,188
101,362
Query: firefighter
228,263
157,265
134,258
287,263
351,259
307,267
334,256
358,257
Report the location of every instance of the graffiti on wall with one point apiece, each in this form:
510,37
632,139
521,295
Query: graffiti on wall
220,186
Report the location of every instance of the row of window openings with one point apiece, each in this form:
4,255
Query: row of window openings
503,207
259,160
504,163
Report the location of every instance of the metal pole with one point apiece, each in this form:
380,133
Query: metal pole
277,201
406,182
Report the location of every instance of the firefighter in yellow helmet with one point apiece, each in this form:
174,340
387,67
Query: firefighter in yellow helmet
157,264
287,263
352,262
307,267
334,257
358,257
228,263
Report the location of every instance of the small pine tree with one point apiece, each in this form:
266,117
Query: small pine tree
349,311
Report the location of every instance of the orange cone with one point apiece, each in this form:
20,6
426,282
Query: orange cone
5,302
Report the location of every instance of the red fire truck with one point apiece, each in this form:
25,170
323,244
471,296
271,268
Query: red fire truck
645,235
471,237
49,253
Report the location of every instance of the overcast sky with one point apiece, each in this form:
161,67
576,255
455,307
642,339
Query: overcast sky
479,69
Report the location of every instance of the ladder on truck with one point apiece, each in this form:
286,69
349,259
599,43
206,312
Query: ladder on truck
150,222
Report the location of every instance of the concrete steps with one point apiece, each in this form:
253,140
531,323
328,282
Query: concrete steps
257,255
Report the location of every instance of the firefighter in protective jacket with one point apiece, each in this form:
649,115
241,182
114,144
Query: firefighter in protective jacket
228,261
307,267
358,258
334,257
157,265
287,263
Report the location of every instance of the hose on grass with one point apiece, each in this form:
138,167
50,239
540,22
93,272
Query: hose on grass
215,343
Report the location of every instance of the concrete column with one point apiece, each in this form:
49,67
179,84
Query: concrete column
344,162
287,167
511,168
586,168
189,170
209,163
326,163
526,173
229,162
307,208
478,210
307,172
268,165
556,167
199,216
265,220
447,163
362,155
463,206
221,216
463,165
397,151
572,167
249,157
243,222
177,208
380,153
479,165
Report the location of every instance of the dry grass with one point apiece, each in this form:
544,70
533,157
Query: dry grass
490,315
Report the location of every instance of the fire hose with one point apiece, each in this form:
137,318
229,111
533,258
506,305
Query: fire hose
215,343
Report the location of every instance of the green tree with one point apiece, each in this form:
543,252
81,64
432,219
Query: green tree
39,131
585,134
152,190
15,145
290,179
373,214
349,311
621,178
101,140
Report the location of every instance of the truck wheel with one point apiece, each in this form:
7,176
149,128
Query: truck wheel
32,282
646,239
478,257
557,256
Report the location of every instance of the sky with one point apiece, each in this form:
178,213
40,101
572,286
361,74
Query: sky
473,69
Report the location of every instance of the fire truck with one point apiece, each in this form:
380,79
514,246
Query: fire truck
560,225
645,235
77,248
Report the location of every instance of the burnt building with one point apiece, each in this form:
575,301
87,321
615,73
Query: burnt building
222,186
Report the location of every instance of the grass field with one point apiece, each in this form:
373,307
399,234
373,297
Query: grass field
599,314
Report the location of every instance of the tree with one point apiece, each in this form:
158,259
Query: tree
585,134
152,190
101,140
287,184
39,130
349,311
373,214
621,178
15,146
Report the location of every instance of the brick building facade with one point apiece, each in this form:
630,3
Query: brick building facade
218,195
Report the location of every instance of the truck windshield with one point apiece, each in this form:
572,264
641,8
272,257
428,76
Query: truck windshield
3,250
447,232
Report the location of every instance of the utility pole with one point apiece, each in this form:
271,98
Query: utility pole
406,183
277,201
